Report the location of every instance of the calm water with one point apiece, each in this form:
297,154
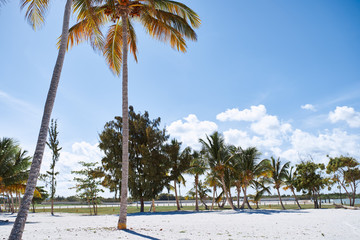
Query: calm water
345,201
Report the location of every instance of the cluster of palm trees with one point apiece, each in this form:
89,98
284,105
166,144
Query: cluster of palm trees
14,165
228,166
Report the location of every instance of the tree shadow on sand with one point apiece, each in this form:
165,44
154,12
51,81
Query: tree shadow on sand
139,234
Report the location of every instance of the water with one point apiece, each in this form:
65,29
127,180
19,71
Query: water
345,201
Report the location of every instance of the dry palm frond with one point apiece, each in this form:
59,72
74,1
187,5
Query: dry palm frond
35,12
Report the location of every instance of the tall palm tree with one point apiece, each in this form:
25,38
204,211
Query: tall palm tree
218,157
165,20
289,184
212,180
248,169
197,168
36,10
278,175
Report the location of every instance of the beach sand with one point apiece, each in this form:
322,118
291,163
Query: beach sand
246,224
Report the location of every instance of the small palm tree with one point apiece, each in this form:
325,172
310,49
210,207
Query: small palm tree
212,180
218,157
248,169
260,188
197,168
278,175
165,20
289,184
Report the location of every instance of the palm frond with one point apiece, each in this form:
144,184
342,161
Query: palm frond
35,12
113,47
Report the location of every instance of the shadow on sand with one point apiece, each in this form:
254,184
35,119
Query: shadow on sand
139,234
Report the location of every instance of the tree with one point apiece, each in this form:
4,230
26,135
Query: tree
248,169
35,15
50,176
14,169
200,189
309,179
87,185
197,168
148,163
289,184
179,162
218,157
277,175
345,171
260,189
165,20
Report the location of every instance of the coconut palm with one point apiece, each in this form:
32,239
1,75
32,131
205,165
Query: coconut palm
248,169
179,162
197,168
277,174
212,180
289,184
35,14
260,188
218,157
165,20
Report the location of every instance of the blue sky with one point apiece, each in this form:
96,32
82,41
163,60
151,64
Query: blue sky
263,60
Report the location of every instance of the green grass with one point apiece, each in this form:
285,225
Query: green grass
133,209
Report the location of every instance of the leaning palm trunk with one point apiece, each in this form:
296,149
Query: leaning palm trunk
176,196
196,193
282,205
296,200
125,115
213,200
245,199
19,225
227,193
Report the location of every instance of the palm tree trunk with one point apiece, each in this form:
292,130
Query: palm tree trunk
282,205
52,192
19,225
238,196
196,193
125,119
153,205
297,202
213,200
176,196
227,193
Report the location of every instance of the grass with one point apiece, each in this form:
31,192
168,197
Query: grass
133,209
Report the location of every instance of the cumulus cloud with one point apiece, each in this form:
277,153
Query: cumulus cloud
190,130
253,114
309,107
68,161
347,114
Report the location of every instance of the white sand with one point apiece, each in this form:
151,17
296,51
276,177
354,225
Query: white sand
255,224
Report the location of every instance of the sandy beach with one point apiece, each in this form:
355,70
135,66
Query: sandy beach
247,224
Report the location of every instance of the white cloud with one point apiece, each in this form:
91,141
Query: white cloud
270,126
347,114
309,107
19,104
253,114
189,131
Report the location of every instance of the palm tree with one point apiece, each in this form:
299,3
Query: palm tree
218,157
261,189
179,162
35,15
197,168
289,184
248,169
278,174
165,20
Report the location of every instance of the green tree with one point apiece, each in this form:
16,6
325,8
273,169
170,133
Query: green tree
218,157
248,169
197,168
277,174
50,176
87,184
179,161
14,169
35,14
260,189
148,163
309,179
165,20
289,184
345,171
